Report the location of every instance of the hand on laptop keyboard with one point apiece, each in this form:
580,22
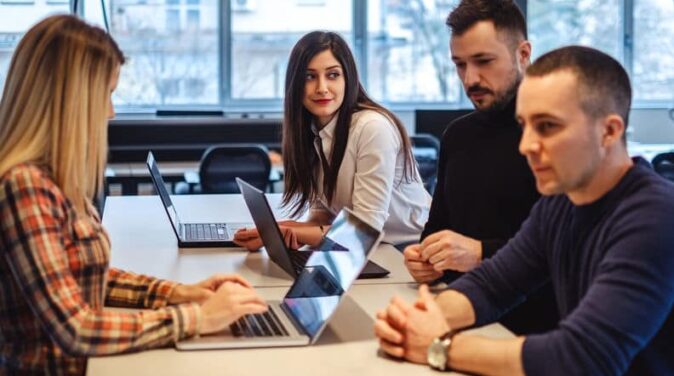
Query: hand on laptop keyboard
248,238
231,301
295,234
201,291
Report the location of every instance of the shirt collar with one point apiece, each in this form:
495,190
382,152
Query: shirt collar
328,131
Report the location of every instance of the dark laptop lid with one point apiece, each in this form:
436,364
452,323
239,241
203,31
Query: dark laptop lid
264,219
163,193
315,294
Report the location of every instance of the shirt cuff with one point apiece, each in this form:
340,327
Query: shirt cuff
477,299
535,357
187,320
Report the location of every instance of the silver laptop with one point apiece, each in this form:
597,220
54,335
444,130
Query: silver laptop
192,234
305,311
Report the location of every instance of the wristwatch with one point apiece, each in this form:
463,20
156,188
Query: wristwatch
438,351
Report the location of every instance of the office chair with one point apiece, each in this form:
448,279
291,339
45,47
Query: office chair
663,164
221,164
426,151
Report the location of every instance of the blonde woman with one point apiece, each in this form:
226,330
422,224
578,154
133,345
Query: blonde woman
54,270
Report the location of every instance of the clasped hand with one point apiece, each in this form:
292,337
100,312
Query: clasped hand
406,331
443,250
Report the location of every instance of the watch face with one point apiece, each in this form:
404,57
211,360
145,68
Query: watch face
437,354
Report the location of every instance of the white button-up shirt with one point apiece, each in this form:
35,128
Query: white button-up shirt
370,178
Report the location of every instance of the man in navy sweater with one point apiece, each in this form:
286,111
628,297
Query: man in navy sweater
602,235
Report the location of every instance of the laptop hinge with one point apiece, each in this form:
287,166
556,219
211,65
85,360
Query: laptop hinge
293,320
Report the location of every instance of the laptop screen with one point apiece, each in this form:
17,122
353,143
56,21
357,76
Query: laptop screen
330,271
161,190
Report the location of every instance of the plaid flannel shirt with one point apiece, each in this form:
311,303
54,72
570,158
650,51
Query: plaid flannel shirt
55,279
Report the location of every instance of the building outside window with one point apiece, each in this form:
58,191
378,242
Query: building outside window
172,49
17,16
408,52
264,32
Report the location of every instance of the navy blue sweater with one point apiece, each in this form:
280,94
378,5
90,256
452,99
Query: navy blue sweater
611,264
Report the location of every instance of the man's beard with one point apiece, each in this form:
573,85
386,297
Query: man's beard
501,100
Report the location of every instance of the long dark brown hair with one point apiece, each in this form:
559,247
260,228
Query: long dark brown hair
300,162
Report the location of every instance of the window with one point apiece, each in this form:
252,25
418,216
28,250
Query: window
17,2
556,23
263,37
243,5
193,20
408,52
190,53
653,51
170,45
311,3
645,49
173,20
8,42
15,18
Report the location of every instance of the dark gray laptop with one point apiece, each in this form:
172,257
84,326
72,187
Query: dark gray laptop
304,312
192,234
290,260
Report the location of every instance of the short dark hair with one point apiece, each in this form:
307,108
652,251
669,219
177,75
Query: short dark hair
505,15
603,84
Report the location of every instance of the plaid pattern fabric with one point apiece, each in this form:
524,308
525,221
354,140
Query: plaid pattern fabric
55,279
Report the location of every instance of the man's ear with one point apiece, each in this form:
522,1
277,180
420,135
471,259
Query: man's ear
523,54
613,128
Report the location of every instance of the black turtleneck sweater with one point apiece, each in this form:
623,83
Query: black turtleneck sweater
485,188
485,191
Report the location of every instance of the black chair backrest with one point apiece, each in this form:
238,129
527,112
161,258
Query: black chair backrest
435,122
663,164
222,164
426,150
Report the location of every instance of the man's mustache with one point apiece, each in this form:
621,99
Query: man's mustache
477,89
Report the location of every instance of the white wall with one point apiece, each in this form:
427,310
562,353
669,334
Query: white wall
651,126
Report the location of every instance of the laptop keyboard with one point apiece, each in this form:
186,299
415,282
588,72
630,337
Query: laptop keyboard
207,231
299,259
259,325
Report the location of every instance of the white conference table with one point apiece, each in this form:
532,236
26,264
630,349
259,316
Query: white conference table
347,347
142,241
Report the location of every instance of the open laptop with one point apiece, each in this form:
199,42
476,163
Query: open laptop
290,260
304,312
192,234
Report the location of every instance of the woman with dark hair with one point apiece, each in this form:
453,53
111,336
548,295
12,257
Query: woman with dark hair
341,149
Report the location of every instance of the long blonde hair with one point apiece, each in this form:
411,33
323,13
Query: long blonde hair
55,103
